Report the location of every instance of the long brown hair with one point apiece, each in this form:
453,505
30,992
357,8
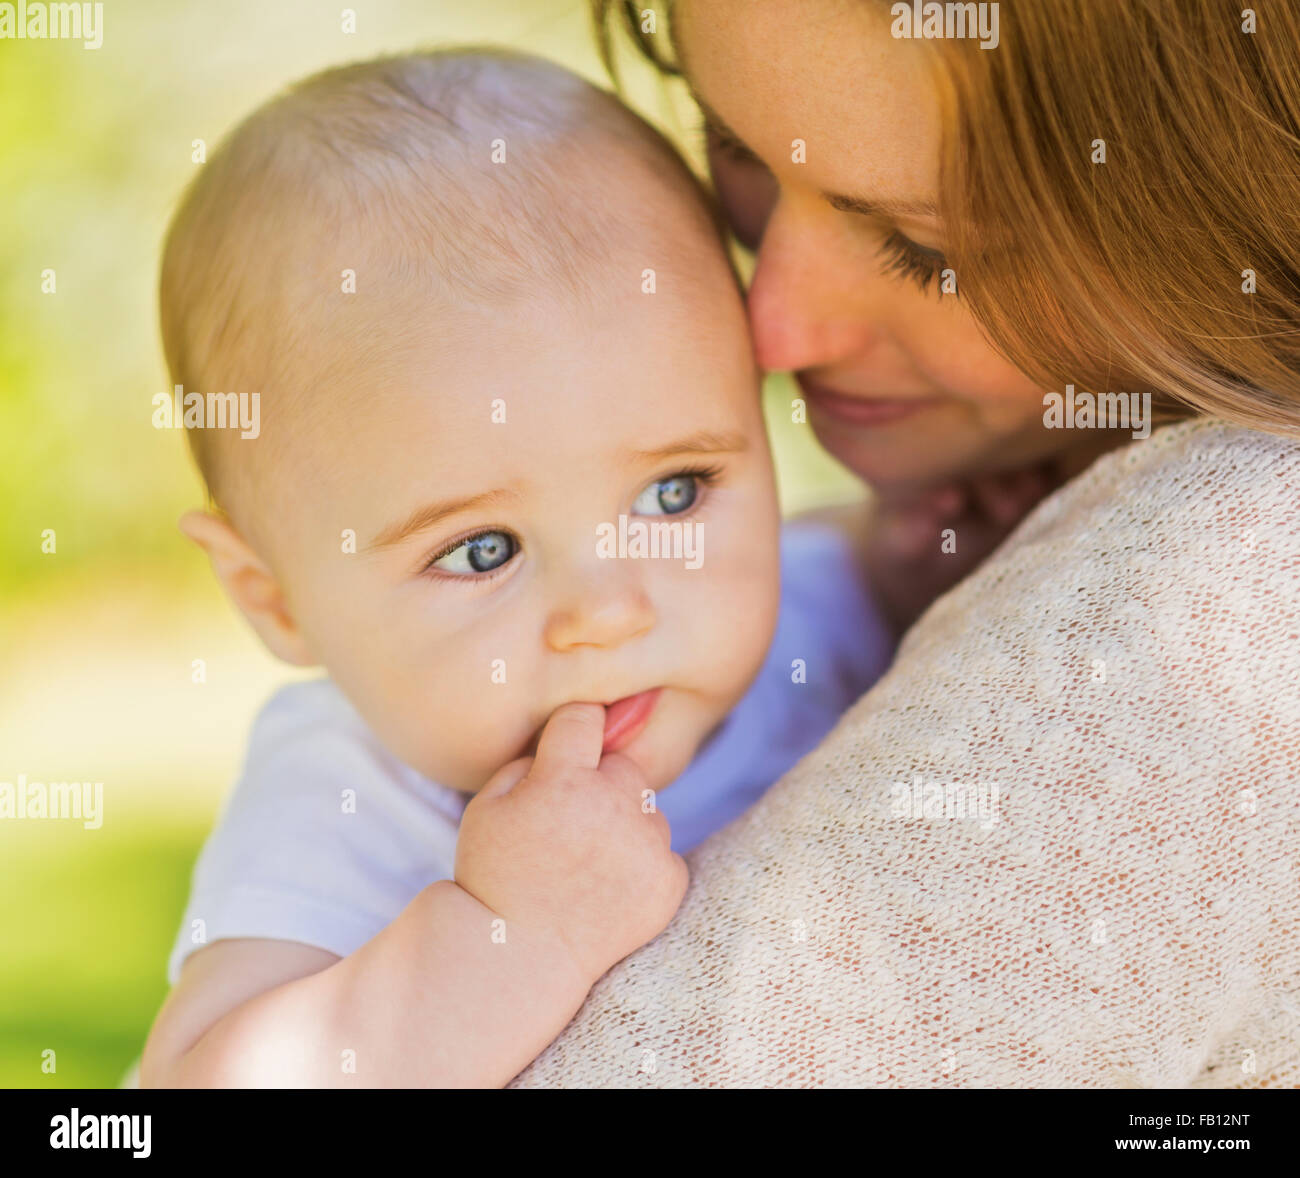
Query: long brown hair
1110,173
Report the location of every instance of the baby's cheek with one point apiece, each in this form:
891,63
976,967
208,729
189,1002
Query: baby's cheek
739,617
753,630
447,708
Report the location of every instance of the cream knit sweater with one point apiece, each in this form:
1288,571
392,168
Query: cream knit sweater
1057,845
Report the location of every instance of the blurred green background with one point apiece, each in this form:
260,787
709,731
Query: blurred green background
97,638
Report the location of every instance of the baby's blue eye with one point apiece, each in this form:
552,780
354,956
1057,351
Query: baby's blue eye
479,554
667,496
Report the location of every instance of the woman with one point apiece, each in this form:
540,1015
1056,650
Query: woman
1059,844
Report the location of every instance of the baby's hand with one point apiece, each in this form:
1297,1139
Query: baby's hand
560,845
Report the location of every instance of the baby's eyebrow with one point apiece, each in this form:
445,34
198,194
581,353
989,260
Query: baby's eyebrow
423,518
701,442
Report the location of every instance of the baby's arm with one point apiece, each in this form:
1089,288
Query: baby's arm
559,874
429,1002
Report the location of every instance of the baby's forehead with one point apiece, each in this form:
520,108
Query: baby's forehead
535,392
372,210
604,359
454,231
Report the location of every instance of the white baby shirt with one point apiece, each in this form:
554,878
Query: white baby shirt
296,857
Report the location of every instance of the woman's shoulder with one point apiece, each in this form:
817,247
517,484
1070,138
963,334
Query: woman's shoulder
1177,557
1208,445
1175,483
1199,503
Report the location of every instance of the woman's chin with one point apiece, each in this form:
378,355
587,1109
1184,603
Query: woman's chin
898,463
895,465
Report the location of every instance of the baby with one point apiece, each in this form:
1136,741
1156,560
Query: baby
512,490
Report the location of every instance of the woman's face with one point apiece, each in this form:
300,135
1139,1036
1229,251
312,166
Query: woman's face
824,140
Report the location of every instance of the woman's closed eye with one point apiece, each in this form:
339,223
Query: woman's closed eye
477,556
902,256
730,146
746,189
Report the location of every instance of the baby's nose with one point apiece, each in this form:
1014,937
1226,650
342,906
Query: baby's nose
601,615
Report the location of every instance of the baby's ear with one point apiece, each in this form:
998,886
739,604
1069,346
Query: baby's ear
250,584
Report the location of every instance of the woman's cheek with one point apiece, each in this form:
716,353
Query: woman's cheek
966,367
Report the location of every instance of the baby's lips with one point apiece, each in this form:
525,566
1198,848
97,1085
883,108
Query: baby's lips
626,717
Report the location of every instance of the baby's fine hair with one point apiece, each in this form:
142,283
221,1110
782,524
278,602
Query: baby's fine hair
470,176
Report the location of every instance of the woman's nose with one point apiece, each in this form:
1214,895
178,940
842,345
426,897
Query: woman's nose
810,305
602,612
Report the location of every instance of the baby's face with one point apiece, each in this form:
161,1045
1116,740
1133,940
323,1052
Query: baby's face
484,472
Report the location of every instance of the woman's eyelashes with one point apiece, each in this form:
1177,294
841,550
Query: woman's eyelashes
746,190
477,556
730,146
902,256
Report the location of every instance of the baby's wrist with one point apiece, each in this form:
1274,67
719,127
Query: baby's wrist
540,953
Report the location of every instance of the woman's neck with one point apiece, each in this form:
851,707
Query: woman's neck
1074,461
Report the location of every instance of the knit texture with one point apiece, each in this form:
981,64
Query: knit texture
1058,845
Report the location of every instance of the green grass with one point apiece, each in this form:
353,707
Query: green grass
86,927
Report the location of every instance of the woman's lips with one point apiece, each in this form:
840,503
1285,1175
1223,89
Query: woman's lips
626,717
861,411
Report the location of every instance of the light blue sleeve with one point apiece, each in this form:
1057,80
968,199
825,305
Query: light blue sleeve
829,615
325,839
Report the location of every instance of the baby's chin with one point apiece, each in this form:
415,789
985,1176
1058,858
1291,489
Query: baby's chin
657,763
